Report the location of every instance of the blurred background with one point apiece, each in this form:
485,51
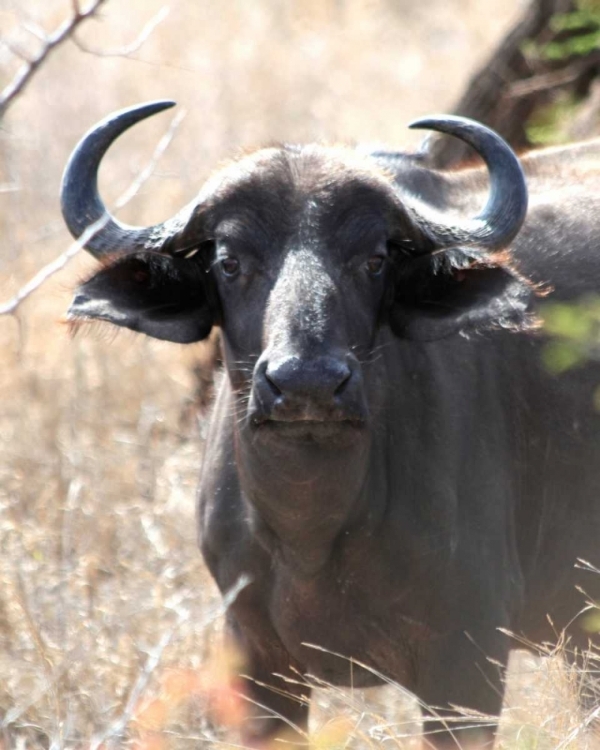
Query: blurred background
109,624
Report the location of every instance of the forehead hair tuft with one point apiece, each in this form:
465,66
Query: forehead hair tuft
306,171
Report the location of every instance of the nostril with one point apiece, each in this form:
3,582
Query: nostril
276,390
343,384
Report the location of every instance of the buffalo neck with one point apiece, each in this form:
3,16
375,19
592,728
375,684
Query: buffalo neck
302,494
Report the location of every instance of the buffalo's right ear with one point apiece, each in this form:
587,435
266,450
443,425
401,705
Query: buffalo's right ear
159,295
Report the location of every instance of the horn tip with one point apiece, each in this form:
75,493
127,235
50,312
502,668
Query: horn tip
164,103
158,106
137,112
433,122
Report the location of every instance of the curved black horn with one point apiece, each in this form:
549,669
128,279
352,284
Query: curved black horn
81,204
504,213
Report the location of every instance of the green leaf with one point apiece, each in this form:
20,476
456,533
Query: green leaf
560,356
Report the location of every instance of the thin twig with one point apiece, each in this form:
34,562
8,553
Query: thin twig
64,31
113,736
35,30
160,149
15,50
10,307
42,649
35,633
553,79
50,685
134,46
582,727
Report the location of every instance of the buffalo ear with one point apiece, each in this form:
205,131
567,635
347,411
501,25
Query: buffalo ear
436,297
161,296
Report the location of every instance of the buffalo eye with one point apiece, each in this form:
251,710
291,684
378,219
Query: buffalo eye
141,277
375,265
230,266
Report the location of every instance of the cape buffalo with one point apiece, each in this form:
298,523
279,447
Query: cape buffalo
388,459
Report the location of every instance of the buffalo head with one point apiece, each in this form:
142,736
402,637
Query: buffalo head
300,255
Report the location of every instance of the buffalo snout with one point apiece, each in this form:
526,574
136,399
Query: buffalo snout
290,388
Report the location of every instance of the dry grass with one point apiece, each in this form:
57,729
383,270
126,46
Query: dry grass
108,618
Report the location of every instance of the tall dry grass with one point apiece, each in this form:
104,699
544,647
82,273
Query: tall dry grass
108,618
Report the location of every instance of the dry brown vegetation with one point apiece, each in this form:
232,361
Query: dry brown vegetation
108,619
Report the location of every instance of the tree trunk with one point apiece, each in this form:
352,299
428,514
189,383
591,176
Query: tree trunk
511,86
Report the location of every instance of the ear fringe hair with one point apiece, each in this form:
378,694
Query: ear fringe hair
100,330
466,259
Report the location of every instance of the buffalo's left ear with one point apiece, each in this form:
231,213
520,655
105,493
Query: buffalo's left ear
164,297
437,296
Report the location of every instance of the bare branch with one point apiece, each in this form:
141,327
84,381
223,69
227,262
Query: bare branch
35,30
40,645
10,307
112,737
553,79
15,50
34,631
160,149
485,97
64,31
128,49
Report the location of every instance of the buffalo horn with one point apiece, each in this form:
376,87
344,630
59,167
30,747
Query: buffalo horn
82,207
504,213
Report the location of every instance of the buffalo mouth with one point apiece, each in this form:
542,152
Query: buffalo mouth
308,429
